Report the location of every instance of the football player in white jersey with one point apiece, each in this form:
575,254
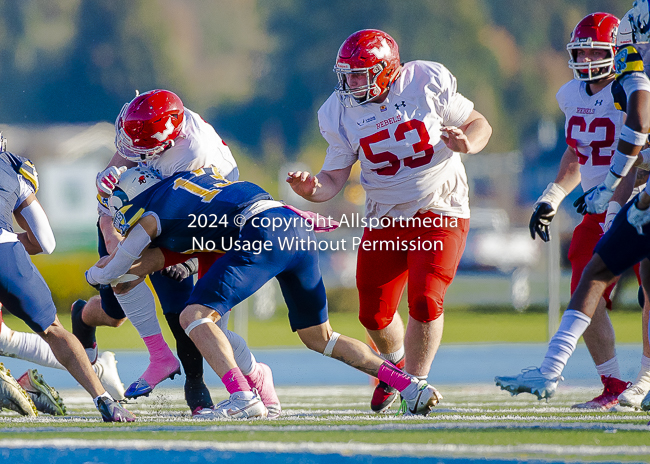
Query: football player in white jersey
157,130
592,127
626,241
407,125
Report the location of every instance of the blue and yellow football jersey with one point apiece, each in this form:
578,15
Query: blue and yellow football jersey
11,168
628,60
192,207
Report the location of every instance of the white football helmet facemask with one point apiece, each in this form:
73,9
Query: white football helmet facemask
132,183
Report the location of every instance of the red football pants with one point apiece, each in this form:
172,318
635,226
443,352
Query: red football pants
585,237
428,264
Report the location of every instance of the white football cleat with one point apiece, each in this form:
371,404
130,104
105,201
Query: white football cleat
13,396
531,380
106,369
240,405
422,403
632,397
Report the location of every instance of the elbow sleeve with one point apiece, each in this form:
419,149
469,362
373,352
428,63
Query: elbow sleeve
39,226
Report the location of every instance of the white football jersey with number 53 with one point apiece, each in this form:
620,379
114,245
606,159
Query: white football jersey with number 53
405,166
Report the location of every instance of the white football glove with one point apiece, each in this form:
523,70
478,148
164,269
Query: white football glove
638,218
612,211
596,199
107,179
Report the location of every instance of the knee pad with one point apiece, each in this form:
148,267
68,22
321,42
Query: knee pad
374,321
425,309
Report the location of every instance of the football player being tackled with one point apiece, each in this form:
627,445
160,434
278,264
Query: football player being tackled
156,130
160,216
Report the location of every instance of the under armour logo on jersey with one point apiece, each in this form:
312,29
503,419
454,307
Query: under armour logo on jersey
169,128
598,103
383,51
397,105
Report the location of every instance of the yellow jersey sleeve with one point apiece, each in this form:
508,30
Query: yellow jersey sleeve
28,171
627,60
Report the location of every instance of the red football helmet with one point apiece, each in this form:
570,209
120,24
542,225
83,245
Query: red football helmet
597,30
372,53
148,125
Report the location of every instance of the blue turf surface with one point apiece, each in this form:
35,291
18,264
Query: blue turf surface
454,364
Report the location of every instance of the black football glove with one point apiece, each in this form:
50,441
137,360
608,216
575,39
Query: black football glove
181,271
541,220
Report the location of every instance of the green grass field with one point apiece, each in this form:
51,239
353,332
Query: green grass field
476,421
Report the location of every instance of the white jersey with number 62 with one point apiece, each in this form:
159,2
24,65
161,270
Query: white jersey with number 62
592,127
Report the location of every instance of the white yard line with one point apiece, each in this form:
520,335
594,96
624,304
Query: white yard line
330,448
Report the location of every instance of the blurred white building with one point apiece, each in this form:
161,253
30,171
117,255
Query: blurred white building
67,158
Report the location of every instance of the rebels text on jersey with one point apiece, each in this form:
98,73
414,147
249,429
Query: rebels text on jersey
592,127
198,145
403,159
192,207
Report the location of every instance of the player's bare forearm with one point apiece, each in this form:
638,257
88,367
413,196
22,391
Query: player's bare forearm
30,243
478,131
637,119
321,187
568,175
111,236
624,189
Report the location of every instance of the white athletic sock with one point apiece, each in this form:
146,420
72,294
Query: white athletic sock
27,346
609,368
243,356
412,389
561,347
394,357
140,307
643,379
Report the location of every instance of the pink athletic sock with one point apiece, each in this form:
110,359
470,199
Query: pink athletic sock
393,376
157,346
162,362
235,381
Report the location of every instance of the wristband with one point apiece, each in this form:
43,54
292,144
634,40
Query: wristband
633,137
621,164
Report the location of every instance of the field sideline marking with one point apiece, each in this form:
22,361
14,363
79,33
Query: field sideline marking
327,448
248,427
